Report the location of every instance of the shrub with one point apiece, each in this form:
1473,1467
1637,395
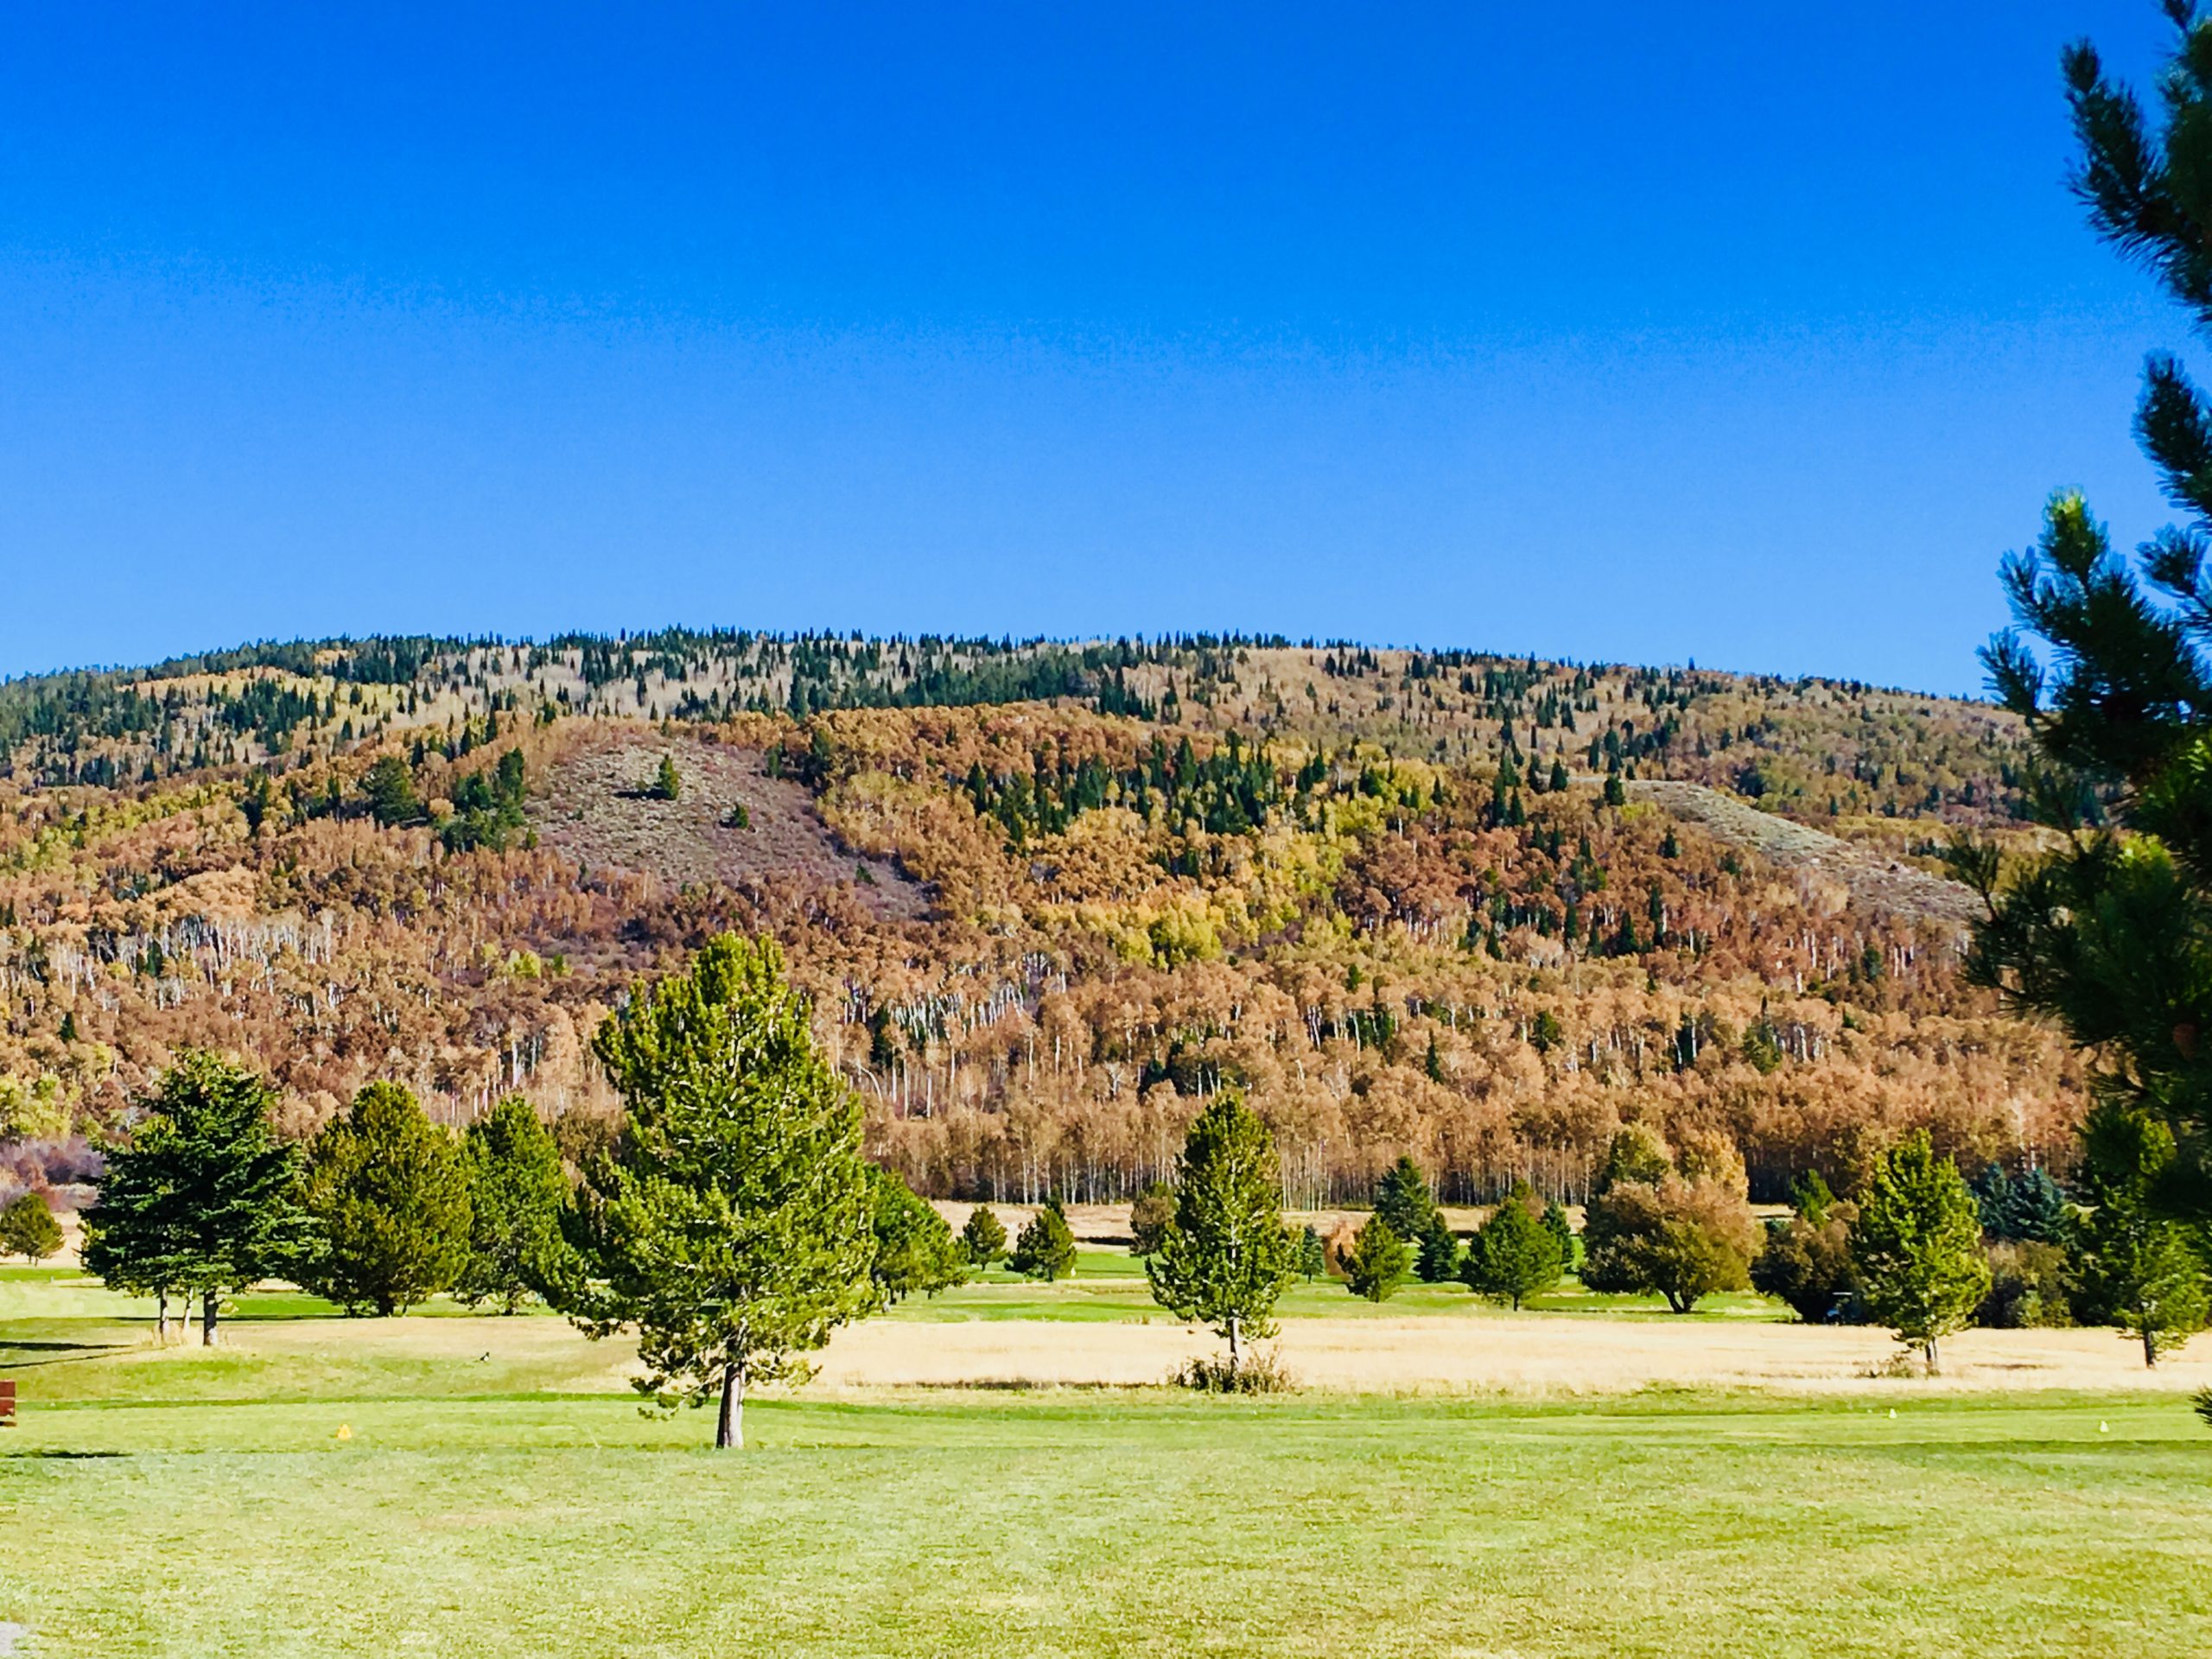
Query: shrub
2027,1286
1259,1373
1807,1264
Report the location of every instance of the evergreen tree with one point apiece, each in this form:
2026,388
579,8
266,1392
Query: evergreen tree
389,789
732,1226
390,1191
1557,1224
1917,1245
1436,1257
914,1249
1513,1255
2109,937
200,1200
27,1228
1403,1200
983,1239
1224,1255
2133,1267
1377,1263
516,1194
1312,1256
1045,1248
668,782
1148,1217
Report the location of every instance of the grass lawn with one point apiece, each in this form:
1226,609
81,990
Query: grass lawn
497,1495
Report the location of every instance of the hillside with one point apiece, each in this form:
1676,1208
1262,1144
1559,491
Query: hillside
1046,896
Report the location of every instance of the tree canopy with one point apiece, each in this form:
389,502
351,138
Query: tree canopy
200,1199
1224,1255
731,1227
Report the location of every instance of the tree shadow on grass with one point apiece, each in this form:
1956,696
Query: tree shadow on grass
57,1353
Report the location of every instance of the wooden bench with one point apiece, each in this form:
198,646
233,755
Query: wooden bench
7,1402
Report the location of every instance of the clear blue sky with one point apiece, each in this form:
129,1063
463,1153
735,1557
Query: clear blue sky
1744,333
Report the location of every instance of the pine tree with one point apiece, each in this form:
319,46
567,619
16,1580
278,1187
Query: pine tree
1149,1215
1312,1256
27,1228
1224,1257
2111,939
914,1249
1917,1247
2129,1265
516,1194
1514,1255
200,1200
731,1227
668,782
1437,1252
1403,1200
1045,1248
1562,1229
1377,1263
390,1191
983,1239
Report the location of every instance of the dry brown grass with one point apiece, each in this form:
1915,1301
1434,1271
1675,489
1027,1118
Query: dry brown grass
1482,1352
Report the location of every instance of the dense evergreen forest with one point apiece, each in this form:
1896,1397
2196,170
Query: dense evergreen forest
1048,897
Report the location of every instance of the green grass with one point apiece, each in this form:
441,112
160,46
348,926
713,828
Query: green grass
497,1495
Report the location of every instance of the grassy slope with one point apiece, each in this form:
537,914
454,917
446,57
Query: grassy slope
519,1505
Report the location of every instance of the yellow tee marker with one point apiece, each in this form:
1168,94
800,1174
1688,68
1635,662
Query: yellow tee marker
345,1431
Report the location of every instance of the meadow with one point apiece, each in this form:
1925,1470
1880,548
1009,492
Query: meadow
450,1483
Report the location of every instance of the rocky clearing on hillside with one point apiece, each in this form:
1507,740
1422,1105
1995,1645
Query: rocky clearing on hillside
596,808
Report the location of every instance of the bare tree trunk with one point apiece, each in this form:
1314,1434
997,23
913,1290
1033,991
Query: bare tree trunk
162,1315
210,1305
729,1431
2150,1349
1234,1357
1927,1350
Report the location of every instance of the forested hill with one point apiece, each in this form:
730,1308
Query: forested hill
1046,895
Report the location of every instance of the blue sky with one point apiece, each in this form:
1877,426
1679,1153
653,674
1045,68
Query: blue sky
1742,334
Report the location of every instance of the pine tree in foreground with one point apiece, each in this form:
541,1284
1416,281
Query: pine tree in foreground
1224,1255
200,1200
1917,1247
731,1228
389,1191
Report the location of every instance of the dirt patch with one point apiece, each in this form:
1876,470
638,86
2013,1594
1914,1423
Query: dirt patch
595,806
1877,882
